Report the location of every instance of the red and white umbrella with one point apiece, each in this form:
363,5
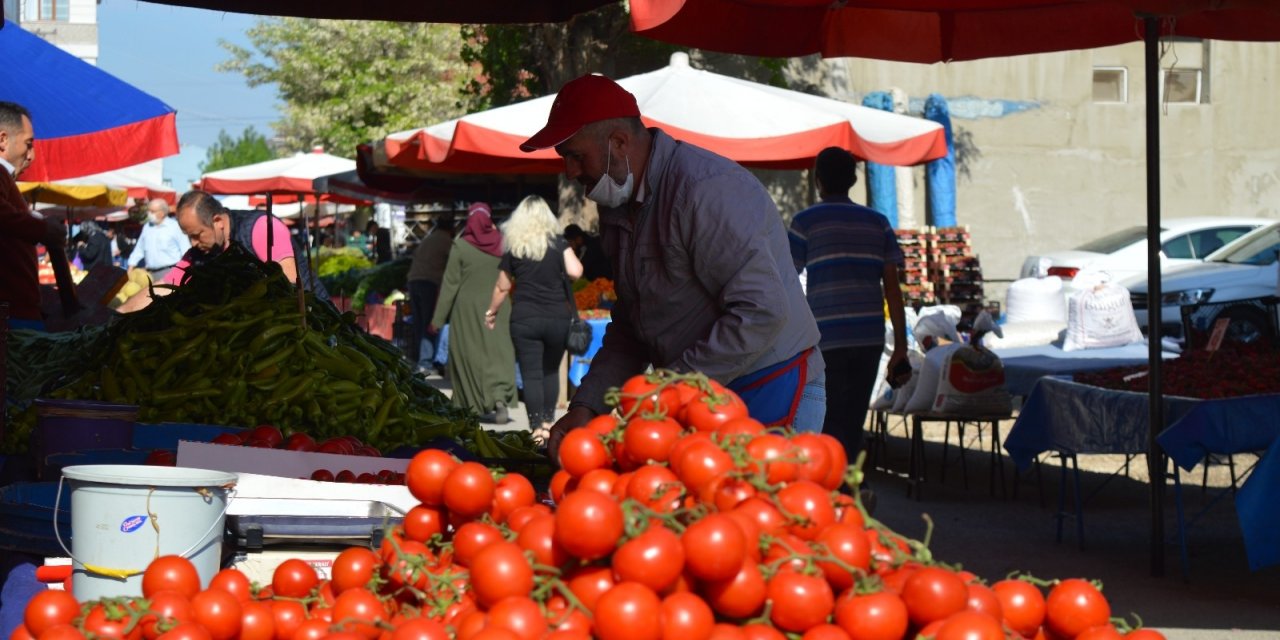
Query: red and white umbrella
754,124
142,181
292,175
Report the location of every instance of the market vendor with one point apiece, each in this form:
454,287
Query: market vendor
212,228
705,280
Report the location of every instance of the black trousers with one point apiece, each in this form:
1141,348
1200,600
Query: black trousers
539,344
851,375
422,304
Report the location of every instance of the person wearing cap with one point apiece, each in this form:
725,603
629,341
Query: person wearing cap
704,275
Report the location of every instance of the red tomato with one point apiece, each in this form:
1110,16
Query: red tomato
420,629
809,501
499,571
728,492
581,450
520,615
700,463
788,552
839,461
468,491
538,537
629,611
227,438
522,515
747,426
313,629
655,487
847,511
773,457
825,632
726,631
708,411
161,458
559,485
219,613
764,514
650,440
187,631
299,441
345,475
510,493
642,395
800,601
970,625
654,559
758,631
56,632
168,609
1102,632
267,434
599,480
422,522
322,475
470,538
353,569
1021,606
426,473
714,547
932,594
256,621
98,623
589,582
1144,634
233,582
49,608
294,578
983,600
741,596
288,615
171,573
684,442
874,616
588,524
358,611
1075,605
847,543
686,616
816,456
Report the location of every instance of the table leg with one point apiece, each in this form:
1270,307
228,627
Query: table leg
997,462
915,468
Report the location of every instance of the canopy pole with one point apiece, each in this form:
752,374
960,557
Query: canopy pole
297,261
1155,410
270,226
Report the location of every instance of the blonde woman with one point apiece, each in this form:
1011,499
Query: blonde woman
536,262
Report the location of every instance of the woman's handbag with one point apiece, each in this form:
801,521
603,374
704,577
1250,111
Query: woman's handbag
578,339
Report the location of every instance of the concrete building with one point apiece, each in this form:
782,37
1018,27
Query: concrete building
72,25
1052,146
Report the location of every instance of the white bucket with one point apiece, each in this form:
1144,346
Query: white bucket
125,516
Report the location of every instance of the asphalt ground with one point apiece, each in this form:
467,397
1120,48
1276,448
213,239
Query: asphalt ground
995,535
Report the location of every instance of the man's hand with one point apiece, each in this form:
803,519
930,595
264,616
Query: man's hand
892,375
432,329
576,417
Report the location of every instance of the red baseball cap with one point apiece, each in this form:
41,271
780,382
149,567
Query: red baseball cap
588,99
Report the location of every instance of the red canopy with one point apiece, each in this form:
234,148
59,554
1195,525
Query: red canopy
458,11
939,30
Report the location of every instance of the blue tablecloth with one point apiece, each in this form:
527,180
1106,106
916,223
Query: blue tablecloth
1070,417
1023,366
578,365
1237,425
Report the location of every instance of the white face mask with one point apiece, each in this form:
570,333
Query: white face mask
609,193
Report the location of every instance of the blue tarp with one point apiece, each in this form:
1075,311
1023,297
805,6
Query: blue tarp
882,189
940,174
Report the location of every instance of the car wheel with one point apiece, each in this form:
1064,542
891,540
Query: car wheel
1248,325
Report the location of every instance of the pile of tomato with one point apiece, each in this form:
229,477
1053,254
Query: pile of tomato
679,518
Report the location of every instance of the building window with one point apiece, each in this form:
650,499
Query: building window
54,10
1110,84
1182,85
1184,73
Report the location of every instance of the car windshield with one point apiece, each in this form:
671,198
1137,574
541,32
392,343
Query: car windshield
1259,248
1114,242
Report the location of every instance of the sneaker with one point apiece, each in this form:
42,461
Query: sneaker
500,413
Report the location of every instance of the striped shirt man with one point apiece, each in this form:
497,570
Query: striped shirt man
845,247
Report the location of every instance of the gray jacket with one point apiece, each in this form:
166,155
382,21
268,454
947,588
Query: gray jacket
704,276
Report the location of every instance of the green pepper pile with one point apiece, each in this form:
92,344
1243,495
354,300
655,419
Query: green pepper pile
229,347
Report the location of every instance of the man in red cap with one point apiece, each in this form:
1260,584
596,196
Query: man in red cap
705,281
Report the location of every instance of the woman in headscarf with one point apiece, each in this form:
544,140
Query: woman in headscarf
539,263
481,361
93,245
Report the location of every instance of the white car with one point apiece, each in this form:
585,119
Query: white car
1246,269
1123,255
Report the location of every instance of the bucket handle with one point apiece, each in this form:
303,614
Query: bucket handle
124,574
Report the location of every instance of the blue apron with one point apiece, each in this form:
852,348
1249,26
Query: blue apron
772,394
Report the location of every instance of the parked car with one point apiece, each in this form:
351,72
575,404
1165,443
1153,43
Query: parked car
1123,255
1246,269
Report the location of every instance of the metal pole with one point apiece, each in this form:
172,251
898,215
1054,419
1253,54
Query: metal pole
1155,410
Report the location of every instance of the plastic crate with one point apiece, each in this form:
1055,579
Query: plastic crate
165,435
1254,322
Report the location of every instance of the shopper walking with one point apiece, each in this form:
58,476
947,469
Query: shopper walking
425,273
481,360
538,262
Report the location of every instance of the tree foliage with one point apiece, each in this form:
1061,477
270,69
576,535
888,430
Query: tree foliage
250,148
348,82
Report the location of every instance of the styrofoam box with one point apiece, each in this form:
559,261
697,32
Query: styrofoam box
260,566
